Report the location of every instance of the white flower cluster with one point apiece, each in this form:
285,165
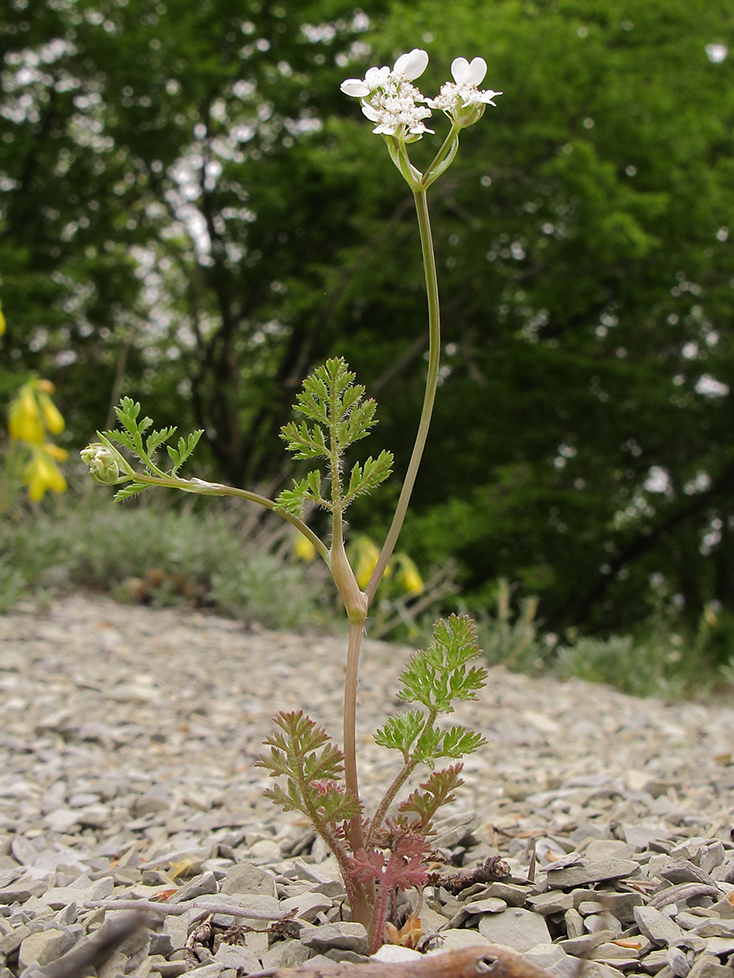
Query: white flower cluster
463,91
390,99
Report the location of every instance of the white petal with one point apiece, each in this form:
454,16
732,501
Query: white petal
376,77
372,114
355,87
411,65
466,73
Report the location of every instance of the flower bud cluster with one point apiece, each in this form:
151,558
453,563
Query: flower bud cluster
390,99
102,462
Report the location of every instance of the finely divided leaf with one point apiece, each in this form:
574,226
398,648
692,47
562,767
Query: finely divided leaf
440,675
457,741
303,441
401,731
301,752
132,489
436,791
185,448
366,477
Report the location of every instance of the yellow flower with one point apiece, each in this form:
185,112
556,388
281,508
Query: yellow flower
303,548
364,555
408,576
60,454
2,321
41,474
24,419
51,414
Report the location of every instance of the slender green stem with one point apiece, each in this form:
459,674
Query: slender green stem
434,356
381,811
438,158
350,740
202,488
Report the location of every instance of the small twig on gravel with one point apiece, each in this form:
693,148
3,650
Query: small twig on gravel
492,869
178,908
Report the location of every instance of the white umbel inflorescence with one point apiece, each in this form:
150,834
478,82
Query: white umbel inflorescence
390,99
463,93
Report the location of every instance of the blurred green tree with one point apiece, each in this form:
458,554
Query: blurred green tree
192,213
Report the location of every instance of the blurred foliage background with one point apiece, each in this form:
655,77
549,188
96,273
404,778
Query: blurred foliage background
192,213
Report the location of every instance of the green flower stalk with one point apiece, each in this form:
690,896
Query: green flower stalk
378,855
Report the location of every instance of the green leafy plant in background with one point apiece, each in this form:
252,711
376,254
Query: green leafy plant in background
381,854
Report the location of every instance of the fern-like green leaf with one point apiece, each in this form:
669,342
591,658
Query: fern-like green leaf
401,731
184,449
293,500
436,791
364,478
130,490
458,741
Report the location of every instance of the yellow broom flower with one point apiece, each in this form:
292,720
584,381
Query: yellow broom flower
24,419
51,414
408,576
41,474
364,555
303,548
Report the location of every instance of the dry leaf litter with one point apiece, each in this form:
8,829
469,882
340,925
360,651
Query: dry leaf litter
128,738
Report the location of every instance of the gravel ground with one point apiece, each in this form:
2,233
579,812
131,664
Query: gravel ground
128,740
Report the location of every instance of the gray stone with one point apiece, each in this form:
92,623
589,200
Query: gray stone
344,955
595,969
45,946
515,927
679,962
719,945
212,970
62,820
455,829
513,894
655,961
248,878
684,871
285,954
584,944
597,849
552,901
307,905
713,927
198,886
82,890
592,871
323,882
22,891
554,960
616,955
394,954
659,928
453,939
11,941
176,929
346,936
487,905
709,966
574,923
235,956
167,969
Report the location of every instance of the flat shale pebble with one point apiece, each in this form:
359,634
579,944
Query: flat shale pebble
128,741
